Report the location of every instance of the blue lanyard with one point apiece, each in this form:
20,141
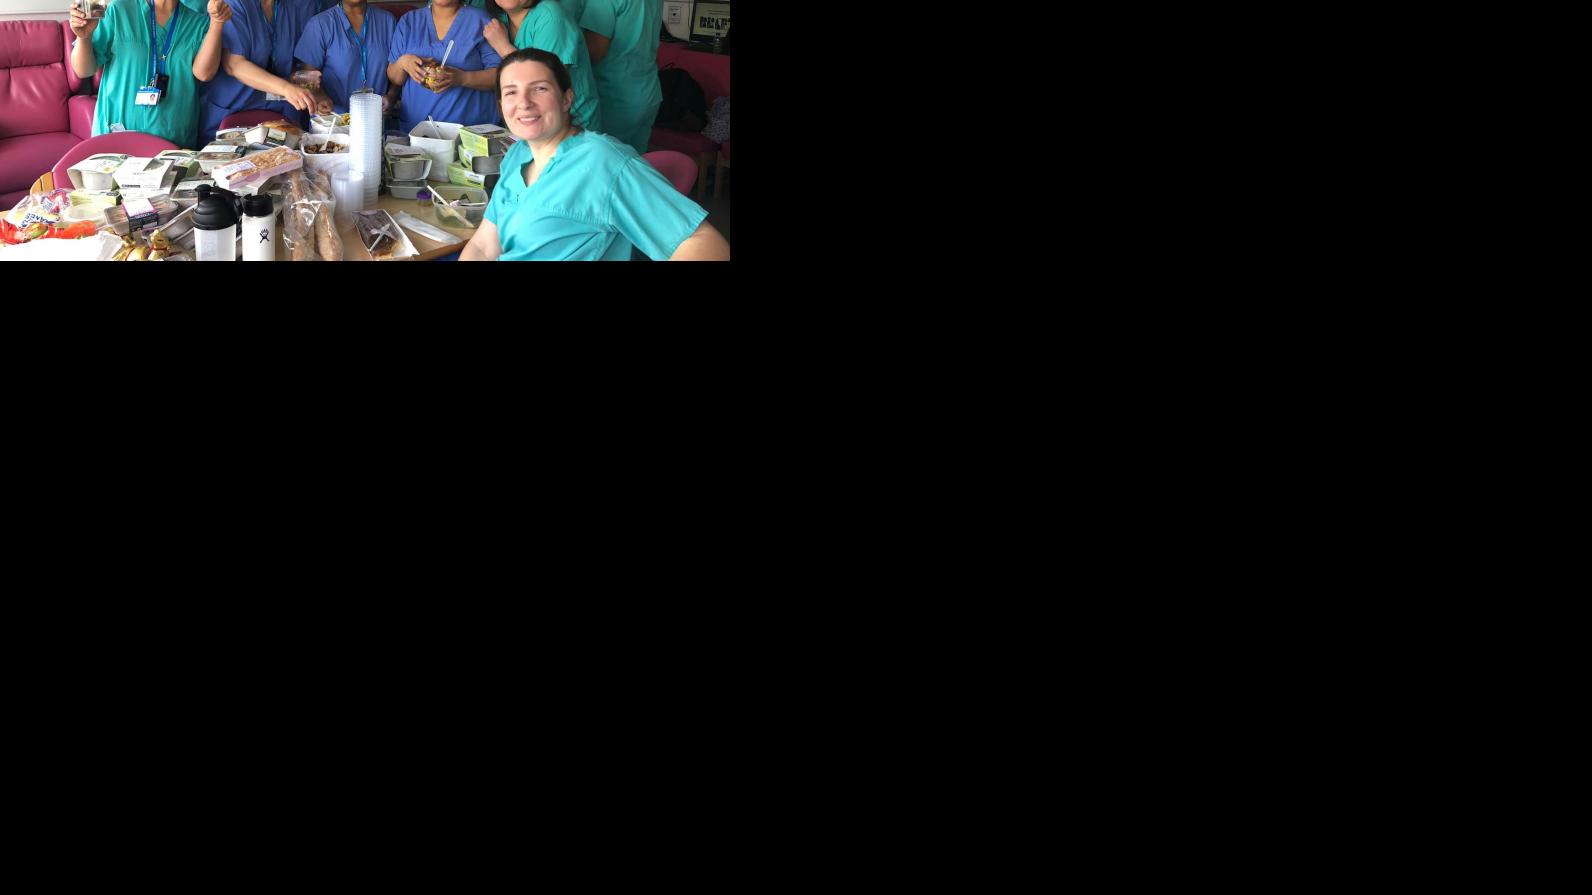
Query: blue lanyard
276,27
364,75
157,63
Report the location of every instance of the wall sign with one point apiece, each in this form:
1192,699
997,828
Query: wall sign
710,19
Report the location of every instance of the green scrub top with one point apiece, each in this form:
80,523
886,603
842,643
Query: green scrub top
627,78
574,8
595,199
547,27
121,47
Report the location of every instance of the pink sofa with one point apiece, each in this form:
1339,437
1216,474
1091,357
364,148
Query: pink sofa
42,116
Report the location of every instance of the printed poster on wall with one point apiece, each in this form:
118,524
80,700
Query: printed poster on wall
710,19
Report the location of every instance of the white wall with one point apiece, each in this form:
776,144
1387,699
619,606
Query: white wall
34,9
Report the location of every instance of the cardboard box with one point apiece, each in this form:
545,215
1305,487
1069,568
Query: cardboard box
276,133
462,176
477,138
147,173
97,172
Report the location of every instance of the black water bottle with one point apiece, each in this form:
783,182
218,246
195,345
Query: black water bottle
215,224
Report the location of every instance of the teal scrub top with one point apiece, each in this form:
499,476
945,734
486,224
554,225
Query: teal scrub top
573,8
595,199
547,27
121,47
627,78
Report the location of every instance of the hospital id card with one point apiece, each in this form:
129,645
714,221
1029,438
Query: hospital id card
148,96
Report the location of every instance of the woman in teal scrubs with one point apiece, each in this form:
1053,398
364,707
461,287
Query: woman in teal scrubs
542,24
155,54
622,37
568,194
464,93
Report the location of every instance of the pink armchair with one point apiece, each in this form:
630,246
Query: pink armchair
40,118
677,166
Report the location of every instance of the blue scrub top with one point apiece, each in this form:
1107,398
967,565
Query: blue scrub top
328,44
418,35
595,199
268,44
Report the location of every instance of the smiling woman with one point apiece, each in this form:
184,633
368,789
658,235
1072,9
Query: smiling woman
594,197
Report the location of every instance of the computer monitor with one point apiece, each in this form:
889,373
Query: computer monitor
709,20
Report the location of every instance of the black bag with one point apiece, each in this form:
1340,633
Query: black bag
684,106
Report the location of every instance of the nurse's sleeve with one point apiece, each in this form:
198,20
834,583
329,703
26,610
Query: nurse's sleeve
647,210
599,17
235,36
102,38
400,40
311,48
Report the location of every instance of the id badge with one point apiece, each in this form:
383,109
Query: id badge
275,98
148,96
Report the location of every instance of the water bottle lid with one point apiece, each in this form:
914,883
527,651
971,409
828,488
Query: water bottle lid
258,206
216,209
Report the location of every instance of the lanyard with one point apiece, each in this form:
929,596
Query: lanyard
364,69
157,64
276,21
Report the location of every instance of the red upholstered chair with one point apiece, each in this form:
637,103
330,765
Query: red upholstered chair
243,119
36,88
710,70
677,166
129,142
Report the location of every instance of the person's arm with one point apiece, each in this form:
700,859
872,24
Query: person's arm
596,45
241,68
209,58
498,37
84,65
706,244
485,79
484,245
407,66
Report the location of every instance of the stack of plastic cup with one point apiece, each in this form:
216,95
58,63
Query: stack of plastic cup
364,131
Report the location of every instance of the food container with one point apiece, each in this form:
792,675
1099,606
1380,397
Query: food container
254,170
407,189
477,138
217,154
459,175
408,163
317,159
439,143
186,193
147,173
459,206
329,124
97,172
94,214
277,133
395,247
234,135
485,164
